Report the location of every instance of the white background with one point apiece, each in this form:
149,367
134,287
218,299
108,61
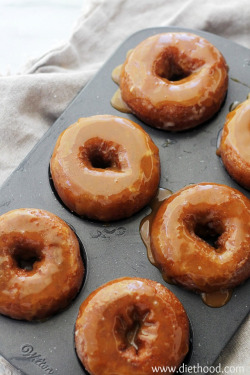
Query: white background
29,28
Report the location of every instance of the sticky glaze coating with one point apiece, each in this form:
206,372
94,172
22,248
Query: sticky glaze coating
179,232
234,148
105,167
129,325
57,272
174,81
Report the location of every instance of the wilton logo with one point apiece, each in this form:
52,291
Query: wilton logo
108,232
29,353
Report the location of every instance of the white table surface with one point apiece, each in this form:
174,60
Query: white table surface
29,28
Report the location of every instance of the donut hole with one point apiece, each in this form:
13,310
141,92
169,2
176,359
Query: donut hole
209,231
175,65
26,257
101,154
175,72
98,160
128,327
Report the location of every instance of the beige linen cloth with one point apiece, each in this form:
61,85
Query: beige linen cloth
32,100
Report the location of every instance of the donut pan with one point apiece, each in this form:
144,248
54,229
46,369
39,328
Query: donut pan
115,250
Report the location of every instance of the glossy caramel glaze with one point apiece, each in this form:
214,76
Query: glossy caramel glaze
129,325
235,144
218,298
180,229
57,273
145,225
174,81
105,167
118,103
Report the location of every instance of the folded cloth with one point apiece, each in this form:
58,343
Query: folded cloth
32,100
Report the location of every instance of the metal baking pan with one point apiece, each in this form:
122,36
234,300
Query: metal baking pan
117,250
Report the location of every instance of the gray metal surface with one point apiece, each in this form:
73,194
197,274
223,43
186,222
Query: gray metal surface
116,250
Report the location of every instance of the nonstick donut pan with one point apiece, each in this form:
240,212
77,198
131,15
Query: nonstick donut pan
115,250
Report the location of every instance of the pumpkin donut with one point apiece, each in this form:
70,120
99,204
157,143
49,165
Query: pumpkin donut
41,269
174,81
181,229
130,325
105,167
235,144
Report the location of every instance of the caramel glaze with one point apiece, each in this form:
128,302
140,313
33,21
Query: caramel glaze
182,254
116,73
118,103
174,81
129,325
146,223
105,167
57,273
235,144
217,299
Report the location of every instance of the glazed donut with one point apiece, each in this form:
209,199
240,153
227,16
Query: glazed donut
184,223
41,269
234,146
174,81
130,325
105,167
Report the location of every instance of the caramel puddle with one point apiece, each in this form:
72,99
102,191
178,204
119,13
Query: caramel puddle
145,225
218,298
116,74
118,103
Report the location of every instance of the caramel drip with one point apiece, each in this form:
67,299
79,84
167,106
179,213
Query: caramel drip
116,74
218,298
118,103
145,225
